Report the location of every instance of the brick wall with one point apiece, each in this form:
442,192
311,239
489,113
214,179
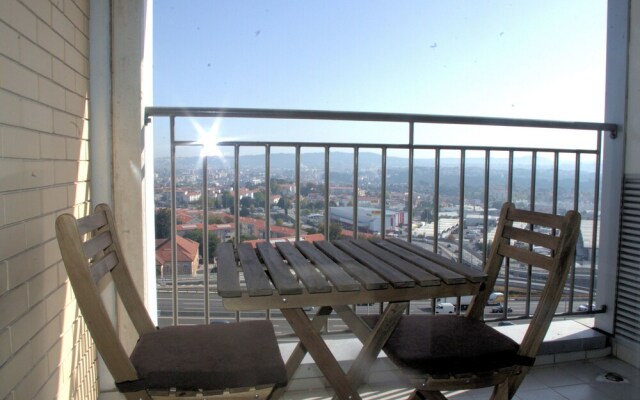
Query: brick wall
45,351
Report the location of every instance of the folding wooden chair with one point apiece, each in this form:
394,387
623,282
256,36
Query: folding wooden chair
237,360
458,352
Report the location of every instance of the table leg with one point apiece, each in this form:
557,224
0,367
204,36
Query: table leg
357,326
296,357
374,342
321,354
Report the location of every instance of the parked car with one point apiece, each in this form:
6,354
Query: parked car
495,298
500,309
585,307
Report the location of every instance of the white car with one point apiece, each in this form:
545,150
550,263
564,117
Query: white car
585,307
445,308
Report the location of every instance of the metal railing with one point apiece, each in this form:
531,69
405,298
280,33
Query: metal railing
573,184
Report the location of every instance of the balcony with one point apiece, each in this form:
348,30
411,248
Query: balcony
71,139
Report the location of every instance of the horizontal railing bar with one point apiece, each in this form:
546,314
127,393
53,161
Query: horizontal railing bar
384,146
370,116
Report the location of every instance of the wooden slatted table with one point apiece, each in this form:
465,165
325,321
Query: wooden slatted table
332,276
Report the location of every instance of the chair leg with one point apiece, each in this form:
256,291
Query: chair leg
501,391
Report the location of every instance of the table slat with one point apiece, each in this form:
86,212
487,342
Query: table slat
228,280
470,273
342,281
281,274
421,276
392,275
367,278
449,277
256,280
308,274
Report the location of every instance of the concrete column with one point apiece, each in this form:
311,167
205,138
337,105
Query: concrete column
612,160
129,176
632,123
100,102
100,148
624,349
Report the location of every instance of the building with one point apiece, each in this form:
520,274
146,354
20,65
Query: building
369,219
187,258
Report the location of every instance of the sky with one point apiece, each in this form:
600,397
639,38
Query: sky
540,59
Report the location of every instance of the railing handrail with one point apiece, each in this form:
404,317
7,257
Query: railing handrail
373,117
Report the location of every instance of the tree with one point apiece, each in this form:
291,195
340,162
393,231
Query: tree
196,236
246,202
227,199
427,215
163,223
285,204
274,186
258,199
216,220
335,230
311,187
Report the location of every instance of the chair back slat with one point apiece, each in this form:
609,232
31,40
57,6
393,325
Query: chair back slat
535,218
91,223
101,268
534,238
97,244
526,256
123,281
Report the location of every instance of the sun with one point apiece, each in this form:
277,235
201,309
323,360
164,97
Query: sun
208,138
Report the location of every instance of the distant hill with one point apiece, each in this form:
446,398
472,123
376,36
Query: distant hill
366,161
397,170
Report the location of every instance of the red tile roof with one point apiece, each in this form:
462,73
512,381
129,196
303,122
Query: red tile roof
187,250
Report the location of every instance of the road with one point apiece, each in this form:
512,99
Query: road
191,310
518,272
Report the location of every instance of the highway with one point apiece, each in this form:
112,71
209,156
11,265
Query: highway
191,310
191,298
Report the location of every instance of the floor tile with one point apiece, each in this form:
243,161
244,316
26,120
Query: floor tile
582,391
611,364
585,371
539,394
552,376
577,380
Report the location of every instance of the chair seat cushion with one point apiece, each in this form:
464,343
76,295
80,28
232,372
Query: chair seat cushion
210,357
441,344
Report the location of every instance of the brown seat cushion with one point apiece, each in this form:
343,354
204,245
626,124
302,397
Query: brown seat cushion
210,357
440,344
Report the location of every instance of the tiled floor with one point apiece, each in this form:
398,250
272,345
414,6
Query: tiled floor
577,380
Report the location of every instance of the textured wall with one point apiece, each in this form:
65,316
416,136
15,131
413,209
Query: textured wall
45,351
